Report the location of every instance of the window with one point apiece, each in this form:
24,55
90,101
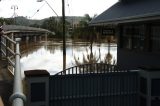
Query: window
138,37
155,38
133,37
127,34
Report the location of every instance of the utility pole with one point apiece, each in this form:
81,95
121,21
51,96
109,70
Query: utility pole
64,38
14,7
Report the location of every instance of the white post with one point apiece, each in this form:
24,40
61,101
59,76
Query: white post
17,97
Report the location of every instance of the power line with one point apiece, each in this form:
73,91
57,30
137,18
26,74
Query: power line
37,11
51,8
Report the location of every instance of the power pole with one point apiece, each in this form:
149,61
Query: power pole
64,38
14,7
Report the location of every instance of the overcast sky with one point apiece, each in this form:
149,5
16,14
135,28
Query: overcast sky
28,8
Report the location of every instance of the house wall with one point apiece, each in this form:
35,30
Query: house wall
138,45
134,60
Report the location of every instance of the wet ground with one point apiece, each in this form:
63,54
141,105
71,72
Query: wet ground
49,55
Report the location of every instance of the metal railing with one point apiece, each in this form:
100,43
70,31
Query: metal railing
103,85
91,69
10,50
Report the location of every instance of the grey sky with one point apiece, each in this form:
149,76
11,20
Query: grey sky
28,8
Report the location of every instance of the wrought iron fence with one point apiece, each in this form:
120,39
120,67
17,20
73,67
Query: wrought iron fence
94,85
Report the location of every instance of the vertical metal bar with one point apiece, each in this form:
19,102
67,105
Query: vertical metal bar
69,71
72,70
104,68
83,69
76,69
17,97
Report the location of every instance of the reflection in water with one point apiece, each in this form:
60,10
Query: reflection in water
91,58
50,57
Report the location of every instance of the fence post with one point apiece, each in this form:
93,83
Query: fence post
149,86
37,87
17,97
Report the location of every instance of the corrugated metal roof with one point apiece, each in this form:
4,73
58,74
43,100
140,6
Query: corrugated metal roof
128,11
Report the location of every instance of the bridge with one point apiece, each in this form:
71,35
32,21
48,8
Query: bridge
10,60
24,32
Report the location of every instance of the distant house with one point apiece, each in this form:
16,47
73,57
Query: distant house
137,26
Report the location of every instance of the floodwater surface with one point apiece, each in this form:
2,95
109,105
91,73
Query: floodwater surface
49,55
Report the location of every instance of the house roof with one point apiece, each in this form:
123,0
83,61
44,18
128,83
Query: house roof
122,12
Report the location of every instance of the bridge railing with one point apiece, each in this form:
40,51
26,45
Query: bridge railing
10,50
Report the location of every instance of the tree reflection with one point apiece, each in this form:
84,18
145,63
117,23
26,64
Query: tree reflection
90,57
28,48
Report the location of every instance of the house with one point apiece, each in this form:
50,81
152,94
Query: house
137,26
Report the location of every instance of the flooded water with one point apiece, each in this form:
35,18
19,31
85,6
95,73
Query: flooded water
49,55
